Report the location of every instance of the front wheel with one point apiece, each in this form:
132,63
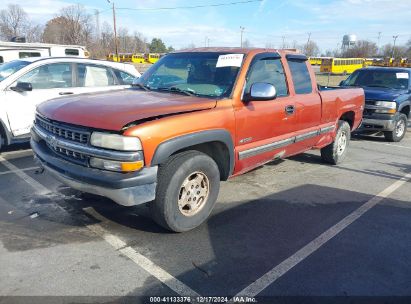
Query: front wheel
335,152
187,189
399,131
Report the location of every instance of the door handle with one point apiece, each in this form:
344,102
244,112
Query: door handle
66,93
289,110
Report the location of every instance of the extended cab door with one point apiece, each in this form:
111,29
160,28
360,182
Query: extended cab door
48,81
264,128
307,100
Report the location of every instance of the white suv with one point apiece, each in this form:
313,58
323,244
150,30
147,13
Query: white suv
27,82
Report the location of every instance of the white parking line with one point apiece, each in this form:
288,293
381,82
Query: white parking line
31,181
390,145
277,272
153,269
15,171
17,154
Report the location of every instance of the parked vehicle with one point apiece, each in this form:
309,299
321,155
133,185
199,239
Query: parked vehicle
138,58
16,50
194,118
341,65
387,99
26,83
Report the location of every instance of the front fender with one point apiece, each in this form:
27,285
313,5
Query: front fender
169,147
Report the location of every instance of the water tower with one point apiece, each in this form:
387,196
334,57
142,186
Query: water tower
348,41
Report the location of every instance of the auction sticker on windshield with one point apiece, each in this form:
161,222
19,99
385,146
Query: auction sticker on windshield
229,60
402,75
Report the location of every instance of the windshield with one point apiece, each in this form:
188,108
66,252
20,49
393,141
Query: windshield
210,74
379,78
11,67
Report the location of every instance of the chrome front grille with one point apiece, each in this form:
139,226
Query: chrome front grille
70,153
63,131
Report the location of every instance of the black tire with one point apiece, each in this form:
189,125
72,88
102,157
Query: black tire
167,209
1,140
335,152
399,131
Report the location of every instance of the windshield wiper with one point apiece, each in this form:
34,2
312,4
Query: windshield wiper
187,92
141,86
377,86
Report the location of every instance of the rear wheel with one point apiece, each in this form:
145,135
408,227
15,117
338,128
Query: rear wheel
187,189
1,141
399,131
335,152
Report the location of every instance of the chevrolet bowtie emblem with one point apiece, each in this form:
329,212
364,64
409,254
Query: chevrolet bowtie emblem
52,141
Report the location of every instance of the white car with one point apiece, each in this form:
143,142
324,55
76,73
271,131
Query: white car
27,82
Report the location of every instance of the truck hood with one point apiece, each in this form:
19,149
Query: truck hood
113,110
373,93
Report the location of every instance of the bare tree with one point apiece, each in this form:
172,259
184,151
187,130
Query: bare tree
362,49
247,43
71,26
310,49
14,22
399,51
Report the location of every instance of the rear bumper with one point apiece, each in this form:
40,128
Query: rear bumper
383,122
125,189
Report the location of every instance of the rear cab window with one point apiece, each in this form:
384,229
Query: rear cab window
300,74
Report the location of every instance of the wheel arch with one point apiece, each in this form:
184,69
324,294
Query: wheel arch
405,109
349,117
4,134
217,144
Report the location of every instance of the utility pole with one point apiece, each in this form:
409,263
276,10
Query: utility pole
115,29
283,47
206,41
241,35
97,14
378,42
393,48
307,45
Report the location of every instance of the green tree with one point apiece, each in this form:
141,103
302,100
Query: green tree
157,46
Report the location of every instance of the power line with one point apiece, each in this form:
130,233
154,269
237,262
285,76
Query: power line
188,6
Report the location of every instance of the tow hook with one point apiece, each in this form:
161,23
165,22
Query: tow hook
40,170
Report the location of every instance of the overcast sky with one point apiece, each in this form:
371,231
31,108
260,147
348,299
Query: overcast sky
264,21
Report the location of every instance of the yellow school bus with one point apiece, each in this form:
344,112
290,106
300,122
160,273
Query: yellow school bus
388,62
341,65
138,58
152,57
317,60
125,57
368,61
113,57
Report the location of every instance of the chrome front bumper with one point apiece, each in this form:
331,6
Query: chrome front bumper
130,196
378,124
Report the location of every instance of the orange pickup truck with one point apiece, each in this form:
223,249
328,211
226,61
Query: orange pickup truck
195,118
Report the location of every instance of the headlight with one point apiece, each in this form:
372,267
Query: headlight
115,142
387,107
118,166
386,104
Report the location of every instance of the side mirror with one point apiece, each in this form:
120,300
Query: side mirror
262,91
22,87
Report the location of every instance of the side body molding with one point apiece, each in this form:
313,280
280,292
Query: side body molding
168,147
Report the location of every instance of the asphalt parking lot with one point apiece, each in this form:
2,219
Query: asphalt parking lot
294,228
